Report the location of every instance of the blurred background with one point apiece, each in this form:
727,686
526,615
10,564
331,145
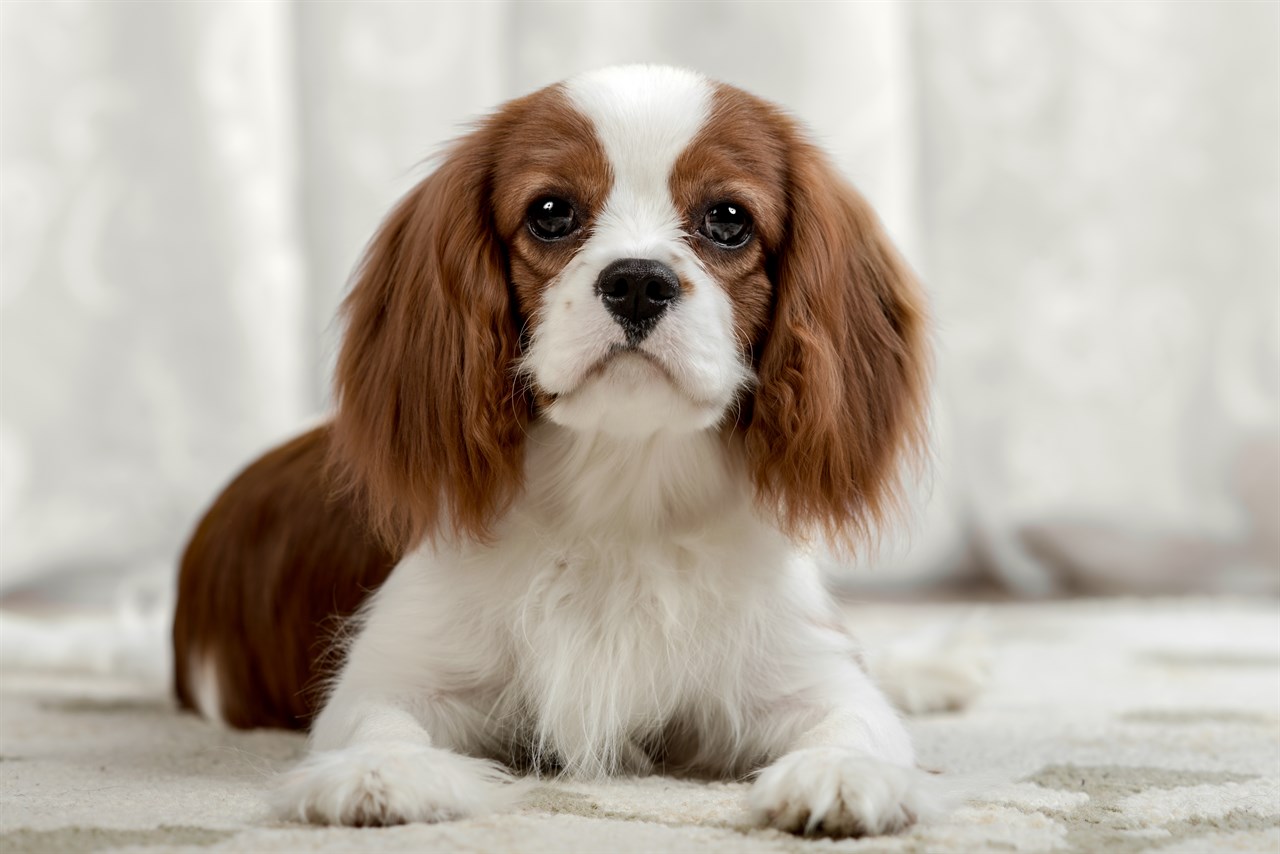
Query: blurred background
1089,190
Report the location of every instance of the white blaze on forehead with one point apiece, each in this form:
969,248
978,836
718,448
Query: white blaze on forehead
644,117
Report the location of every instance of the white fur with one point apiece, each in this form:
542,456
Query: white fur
204,687
390,783
632,595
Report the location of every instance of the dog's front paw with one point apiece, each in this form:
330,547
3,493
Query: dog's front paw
839,792
394,783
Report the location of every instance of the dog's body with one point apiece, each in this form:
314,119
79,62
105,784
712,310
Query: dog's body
276,567
605,372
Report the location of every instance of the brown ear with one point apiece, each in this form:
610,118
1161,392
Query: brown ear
844,370
430,426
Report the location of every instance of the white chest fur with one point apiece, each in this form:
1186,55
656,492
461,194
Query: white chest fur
630,573
614,641
632,591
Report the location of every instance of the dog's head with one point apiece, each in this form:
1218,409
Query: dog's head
634,251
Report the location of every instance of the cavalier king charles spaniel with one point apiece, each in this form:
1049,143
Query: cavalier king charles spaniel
609,375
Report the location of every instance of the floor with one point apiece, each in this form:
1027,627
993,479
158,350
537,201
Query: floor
1106,725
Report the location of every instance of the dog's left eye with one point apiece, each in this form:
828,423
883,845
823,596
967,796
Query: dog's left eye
727,224
551,218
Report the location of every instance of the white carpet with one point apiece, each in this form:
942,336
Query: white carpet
1127,726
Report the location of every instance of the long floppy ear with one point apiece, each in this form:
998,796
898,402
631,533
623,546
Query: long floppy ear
430,425
843,372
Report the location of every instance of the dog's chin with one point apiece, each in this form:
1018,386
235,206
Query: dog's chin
632,396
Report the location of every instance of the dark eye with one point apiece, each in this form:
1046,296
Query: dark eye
727,224
551,218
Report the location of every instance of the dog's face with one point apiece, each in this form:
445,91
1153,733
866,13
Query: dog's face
632,252
637,250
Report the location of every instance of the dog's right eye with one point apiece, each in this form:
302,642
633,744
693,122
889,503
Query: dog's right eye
551,219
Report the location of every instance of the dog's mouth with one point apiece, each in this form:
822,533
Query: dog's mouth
626,372
627,354
625,365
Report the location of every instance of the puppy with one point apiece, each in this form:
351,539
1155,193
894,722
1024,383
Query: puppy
607,374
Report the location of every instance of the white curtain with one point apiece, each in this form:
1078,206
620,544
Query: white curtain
1089,190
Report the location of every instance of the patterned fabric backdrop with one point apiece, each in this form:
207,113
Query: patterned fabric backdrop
1089,190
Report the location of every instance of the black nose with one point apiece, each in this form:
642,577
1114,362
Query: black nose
637,291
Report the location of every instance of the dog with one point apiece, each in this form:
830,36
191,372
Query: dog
609,374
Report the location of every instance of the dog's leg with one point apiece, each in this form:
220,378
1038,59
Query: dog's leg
849,770
380,749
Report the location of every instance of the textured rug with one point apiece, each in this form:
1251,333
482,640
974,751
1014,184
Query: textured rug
1120,725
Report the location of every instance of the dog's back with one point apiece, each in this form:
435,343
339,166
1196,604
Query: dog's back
274,567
